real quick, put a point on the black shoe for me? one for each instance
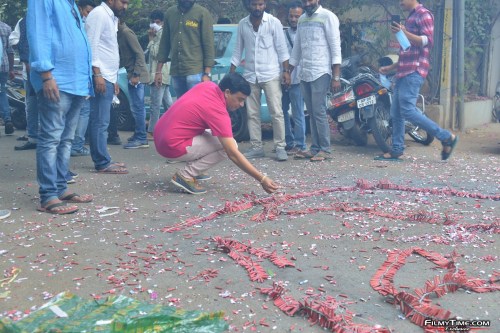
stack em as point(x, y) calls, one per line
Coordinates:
point(9, 128)
point(22, 138)
point(28, 145)
point(115, 141)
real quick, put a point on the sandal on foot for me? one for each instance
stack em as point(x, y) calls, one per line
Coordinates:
point(58, 208)
point(321, 156)
point(448, 144)
point(77, 198)
point(114, 169)
point(303, 155)
point(391, 158)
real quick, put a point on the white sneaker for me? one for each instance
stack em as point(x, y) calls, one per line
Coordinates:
point(4, 213)
point(254, 153)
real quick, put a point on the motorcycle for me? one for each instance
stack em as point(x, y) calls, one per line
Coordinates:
point(362, 107)
point(16, 96)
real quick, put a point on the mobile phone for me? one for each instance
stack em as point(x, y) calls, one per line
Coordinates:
point(395, 18)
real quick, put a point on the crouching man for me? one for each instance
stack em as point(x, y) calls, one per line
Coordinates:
point(197, 130)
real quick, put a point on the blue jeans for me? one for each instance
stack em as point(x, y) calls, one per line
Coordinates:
point(4, 102)
point(159, 95)
point(404, 108)
point(314, 93)
point(183, 83)
point(57, 128)
point(100, 107)
point(138, 111)
point(81, 128)
point(32, 121)
point(297, 137)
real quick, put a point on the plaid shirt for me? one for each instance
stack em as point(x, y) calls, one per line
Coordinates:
point(416, 59)
point(5, 31)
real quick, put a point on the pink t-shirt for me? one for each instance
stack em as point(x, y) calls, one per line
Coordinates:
point(202, 107)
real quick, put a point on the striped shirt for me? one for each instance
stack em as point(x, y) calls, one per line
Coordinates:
point(417, 58)
point(317, 44)
point(5, 31)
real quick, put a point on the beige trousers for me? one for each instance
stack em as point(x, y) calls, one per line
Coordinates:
point(205, 152)
point(272, 89)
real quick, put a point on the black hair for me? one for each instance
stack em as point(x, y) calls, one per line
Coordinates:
point(246, 3)
point(235, 83)
point(223, 20)
point(294, 4)
point(157, 15)
point(85, 3)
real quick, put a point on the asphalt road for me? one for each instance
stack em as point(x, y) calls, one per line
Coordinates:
point(335, 252)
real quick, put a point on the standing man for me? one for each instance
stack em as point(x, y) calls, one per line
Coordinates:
point(160, 92)
point(260, 36)
point(132, 58)
point(6, 73)
point(188, 38)
point(296, 138)
point(61, 76)
point(411, 70)
point(197, 130)
point(317, 48)
point(19, 37)
point(77, 148)
point(102, 27)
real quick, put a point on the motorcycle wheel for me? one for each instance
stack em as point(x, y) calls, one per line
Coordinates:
point(380, 126)
point(18, 116)
point(421, 136)
point(359, 137)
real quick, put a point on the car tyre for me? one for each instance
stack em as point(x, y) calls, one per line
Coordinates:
point(126, 121)
point(239, 124)
point(18, 116)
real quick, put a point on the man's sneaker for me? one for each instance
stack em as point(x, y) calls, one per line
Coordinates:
point(188, 185)
point(254, 153)
point(26, 146)
point(202, 177)
point(281, 154)
point(22, 138)
point(132, 138)
point(115, 141)
point(9, 128)
point(71, 177)
point(4, 213)
point(136, 144)
point(82, 152)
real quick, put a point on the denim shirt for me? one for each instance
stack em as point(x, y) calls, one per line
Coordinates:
point(58, 43)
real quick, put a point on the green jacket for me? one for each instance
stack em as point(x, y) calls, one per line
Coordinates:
point(187, 40)
point(131, 54)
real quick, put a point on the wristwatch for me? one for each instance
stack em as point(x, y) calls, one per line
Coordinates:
point(336, 78)
point(207, 74)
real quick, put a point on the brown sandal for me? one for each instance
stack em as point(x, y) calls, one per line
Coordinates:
point(115, 169)
point(58, 208)
point(321, 156)
point(77, 198)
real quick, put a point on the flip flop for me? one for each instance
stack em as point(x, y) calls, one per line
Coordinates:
point(392, 158)
point(450, 143)
point(320, 157)
point(114, 169)
point(77, 198)
point(303, 155)
point(52, 209)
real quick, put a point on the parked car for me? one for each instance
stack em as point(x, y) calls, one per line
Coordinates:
point(225, 41)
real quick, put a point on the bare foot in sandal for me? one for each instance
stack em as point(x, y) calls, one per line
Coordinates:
point(115, 169)
point(58, 207)
point(76, 198)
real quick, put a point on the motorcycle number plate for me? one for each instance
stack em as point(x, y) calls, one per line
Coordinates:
point(345, 116)
point(366, 101)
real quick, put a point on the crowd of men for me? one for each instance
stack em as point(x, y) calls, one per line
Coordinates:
point(72, 53)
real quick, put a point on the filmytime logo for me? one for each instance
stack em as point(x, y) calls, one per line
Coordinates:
point(457, 325)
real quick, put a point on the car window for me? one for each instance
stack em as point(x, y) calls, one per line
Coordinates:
point(222, 39)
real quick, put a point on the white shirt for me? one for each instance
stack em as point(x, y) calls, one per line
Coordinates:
point(102, 28)
point(264, 50)
point(317, 44)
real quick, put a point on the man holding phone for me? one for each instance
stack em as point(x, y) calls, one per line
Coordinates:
point(411, 70)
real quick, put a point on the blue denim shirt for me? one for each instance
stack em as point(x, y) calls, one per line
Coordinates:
point(58, 43)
